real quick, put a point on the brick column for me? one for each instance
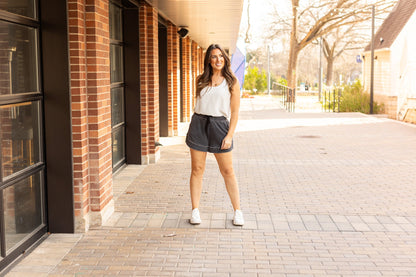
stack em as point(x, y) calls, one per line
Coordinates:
point(173, 79)
point(149, 82)
point(187, 78)
point(194, 73)
point(184, 79)
point(170, 81)
point(99, 108)
point(201, 60)
point(91, 111)
point(77, 55)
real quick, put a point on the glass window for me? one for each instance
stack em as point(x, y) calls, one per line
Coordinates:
point(116, 64)
point(117, 106)
point(115, 22)
point(20, 7)
point(18, 59)
point(23, 213)
point(118, 145)
point(117, 79)
point(19, 136)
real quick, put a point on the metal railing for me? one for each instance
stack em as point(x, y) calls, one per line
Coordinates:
point(288, 96)
point(330, 99)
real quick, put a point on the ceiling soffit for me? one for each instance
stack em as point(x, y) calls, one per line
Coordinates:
point(214, 21)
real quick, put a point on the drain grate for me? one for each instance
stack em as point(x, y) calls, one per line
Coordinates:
point(309, 137)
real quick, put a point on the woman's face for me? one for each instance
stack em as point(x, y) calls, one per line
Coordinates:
point(217, 59)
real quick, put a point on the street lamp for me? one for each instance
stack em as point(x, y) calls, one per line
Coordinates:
point(372, 59)
point(320, 68)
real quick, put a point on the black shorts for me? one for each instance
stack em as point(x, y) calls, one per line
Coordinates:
point(206, 133)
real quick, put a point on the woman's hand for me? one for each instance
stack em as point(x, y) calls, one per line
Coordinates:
point(226, 142)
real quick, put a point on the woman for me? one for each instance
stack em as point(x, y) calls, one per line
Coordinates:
point(217, 99)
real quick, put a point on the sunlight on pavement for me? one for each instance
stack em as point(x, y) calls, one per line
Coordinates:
point(306, 106)
point(267, 124)
point(280, 123)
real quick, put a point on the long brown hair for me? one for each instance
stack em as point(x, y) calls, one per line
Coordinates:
point(204, 79)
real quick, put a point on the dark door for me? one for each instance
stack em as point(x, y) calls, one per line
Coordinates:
point(163, 81)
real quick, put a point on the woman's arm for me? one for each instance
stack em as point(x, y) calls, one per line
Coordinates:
point(235, 107)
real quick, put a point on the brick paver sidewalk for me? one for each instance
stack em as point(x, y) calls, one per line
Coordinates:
point(323, 195)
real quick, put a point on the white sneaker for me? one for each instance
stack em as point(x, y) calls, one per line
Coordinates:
point(195, 218)
point(238, 218)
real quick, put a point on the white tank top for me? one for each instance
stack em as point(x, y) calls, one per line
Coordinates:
point(214, 101)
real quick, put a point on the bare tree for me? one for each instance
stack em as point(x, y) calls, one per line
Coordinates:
point(347, 39)
point(247, 38)
point(318, 18)
point(338, 42)
point(308, 65)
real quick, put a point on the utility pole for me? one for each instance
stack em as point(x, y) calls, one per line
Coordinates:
point(320, 68)
point(268, 69)
point(372, 60)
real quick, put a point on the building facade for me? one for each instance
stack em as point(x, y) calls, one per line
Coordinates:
point(86, 87)
point(395, 63)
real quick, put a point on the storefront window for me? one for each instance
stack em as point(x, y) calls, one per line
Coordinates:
point(20, 7)
point(21, 144)
point(118, 145)
point(19, 136)
point(116, 64)
point(18, 59)
point(117, 85)
point(23, 212)
point(115, 22)
point(117, 109)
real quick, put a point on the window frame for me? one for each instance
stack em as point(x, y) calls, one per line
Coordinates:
point(119, 84)
point(7, 256)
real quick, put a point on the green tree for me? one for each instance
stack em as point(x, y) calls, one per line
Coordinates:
point(255, 81)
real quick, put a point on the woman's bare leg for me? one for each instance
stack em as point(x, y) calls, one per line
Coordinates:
point(225, 163)
point(198, 159)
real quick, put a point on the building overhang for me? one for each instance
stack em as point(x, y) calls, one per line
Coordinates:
point(378, 50)
point(208, 21)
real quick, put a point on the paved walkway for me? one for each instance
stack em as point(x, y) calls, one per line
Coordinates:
point(324, 194)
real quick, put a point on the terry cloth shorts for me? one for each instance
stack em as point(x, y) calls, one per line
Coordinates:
point(207, 132)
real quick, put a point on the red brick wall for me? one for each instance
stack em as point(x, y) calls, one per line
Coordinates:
point(149, 82)
point(194, 73)
point(173, 79)
point(89, 54)
point(187, 78)
point(99, 102)
point(184, 80)
point(201, 60)
point(78, 70)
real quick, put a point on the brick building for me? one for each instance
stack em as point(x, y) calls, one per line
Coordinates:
point(87, 86)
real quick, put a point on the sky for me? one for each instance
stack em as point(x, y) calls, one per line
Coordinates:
point(260, 16)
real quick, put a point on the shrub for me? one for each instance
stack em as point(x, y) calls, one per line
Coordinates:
point(255, 81)
point(355, 99)
point(282, 81)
